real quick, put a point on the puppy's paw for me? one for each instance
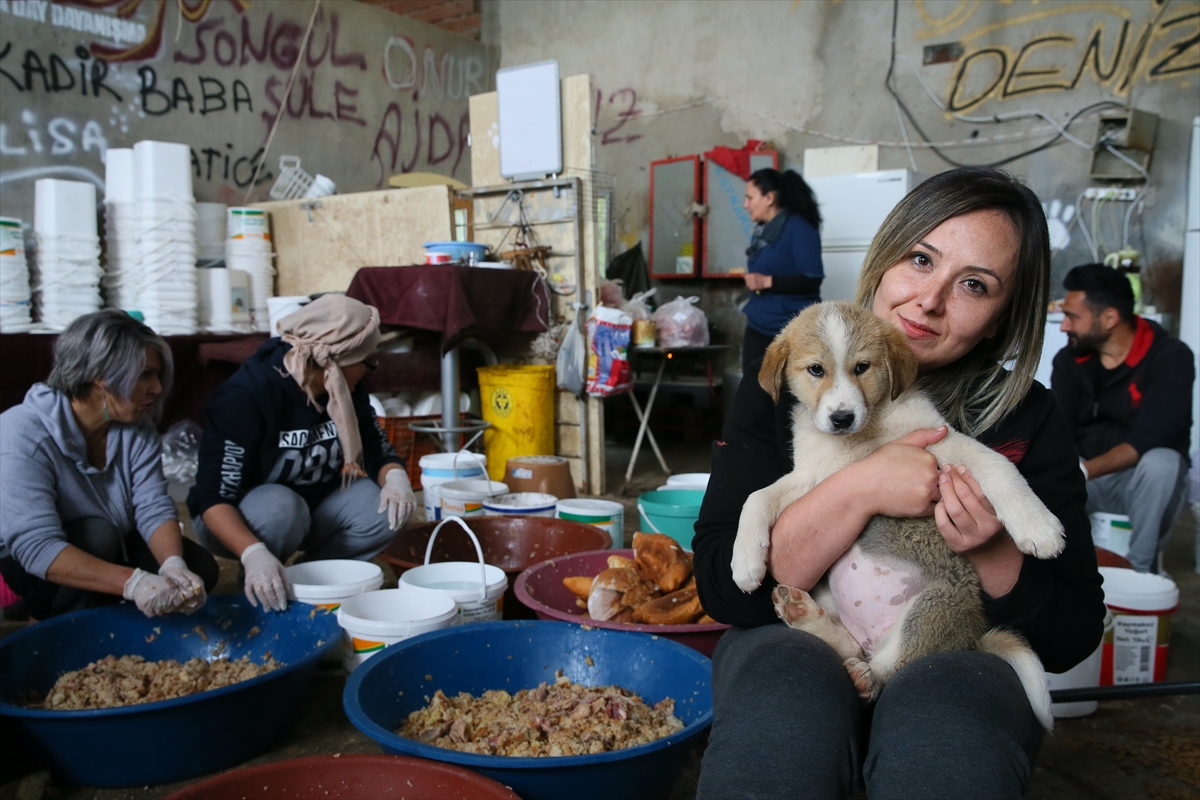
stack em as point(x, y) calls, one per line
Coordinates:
point(862, 676)
point(1039, 534)
point(749, 562)
point(796, 607)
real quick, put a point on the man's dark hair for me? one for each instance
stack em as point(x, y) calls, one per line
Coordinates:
point(1104, 287)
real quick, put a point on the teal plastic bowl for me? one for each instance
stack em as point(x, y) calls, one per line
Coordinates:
point(671, 511)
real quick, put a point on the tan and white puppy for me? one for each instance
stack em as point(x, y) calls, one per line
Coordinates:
point(900, 593)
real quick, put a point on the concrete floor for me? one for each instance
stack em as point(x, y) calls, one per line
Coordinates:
point(1127, 749)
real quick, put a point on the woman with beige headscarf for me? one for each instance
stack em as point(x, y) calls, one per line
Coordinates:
point(288, 440)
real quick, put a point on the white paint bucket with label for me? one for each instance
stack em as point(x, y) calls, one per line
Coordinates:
point(1111, 532)
point(440, 468)
point(373, 620)
point(476, 588)
point(327, 584)
point(530, 504)
point(465, 498)
point(1135, 650)
point(608, 515)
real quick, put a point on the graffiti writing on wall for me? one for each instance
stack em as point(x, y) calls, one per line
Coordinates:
point(625, 104)
point(1119, 50)
point(441, 141)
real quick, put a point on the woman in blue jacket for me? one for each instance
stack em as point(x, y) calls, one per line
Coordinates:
point(783, 266)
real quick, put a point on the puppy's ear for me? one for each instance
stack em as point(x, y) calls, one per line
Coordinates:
point(770, 376)
point(901, 363)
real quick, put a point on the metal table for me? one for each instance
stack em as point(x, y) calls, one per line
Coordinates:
point(664, 355)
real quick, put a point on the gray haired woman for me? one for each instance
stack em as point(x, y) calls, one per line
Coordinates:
point(86, 509)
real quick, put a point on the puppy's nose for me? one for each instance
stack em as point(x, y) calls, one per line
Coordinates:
point(841, 420)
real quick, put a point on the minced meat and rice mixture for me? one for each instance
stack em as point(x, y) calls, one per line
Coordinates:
point(563, 719)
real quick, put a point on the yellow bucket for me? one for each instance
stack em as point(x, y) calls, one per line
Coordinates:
point(519, 402)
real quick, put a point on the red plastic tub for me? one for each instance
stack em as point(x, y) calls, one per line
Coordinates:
point(541, 589)
point(349, 777)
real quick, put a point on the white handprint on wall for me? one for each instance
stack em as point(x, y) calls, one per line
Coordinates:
point(1058, 218)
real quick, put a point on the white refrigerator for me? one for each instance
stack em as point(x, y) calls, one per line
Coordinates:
point(852, 209)
point(1189, 307)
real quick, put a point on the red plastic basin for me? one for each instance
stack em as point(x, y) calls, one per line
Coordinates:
point(541, 589)
point(349, 777)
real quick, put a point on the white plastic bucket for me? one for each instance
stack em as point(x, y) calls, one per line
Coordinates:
point(608, 515)
point(688, 480)
point(327, 584)
point(1135, 650)
point(1111, 532)
point(530, 504)
point(247, 223)
point(464, 498)
point(476, 588)
point(439, 468)
point(373, 620)
point(1083, 675)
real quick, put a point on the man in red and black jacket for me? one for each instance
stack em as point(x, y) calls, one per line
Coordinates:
point(1125, 387)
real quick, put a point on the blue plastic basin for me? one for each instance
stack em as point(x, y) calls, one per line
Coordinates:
point(519, 655)
point(169, 740)
point(459, 251)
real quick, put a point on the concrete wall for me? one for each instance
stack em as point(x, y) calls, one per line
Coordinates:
point(376, 94)
point(674, 78)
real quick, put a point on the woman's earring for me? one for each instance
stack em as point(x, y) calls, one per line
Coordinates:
point(105, 410)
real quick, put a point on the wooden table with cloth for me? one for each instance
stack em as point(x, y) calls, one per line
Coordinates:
point(459, 303)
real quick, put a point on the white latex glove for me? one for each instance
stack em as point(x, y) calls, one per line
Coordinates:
point(190, 587)
point(397, 498)
point(266, 581)
point(153, 594)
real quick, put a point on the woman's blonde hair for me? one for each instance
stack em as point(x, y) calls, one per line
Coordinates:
point(975, 392)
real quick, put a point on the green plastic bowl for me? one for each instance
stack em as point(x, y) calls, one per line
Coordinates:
point(671, 511)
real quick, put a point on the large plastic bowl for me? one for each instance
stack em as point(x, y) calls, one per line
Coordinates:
point(540, 588)
point(519, 655)
point(170, 740)
point(348, 777)
point(511, 543)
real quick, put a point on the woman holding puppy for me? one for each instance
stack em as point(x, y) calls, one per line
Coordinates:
point(961, 267)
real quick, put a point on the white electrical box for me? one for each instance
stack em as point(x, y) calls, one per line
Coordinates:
point(530, 117)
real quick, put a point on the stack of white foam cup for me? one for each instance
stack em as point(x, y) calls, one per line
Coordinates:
point(166, 236)
point(248, 248)
point(67, 284)
point(16, 307)
point(122, 277)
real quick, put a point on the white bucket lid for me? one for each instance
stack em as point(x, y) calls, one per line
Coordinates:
point(471, 489)
point(689, 479)
point(1138, 591)
point(514, 501)
point(333, 578)
point(395, 612)
point(590, 506)
point(463, 460)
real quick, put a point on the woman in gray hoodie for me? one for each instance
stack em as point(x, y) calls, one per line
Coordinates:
point(85, 503)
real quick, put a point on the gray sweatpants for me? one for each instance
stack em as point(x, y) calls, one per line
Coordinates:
point(1150, 494)
point(787, 723)
point(346, 524)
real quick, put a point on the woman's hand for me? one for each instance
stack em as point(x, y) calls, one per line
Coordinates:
point(757, 282)
point(968, 522)
point(964, 515)
point(901, 478)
